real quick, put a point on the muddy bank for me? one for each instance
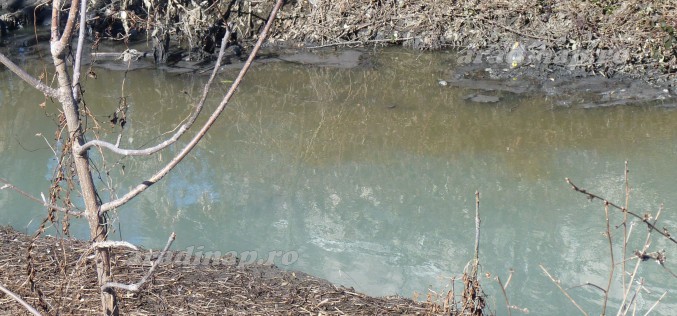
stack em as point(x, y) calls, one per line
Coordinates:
point(644, 31)
point(580, 53)
point(487, 78)
point(174, 289)
point(565, 87)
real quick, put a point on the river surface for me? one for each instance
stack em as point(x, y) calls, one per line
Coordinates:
point(368, 175)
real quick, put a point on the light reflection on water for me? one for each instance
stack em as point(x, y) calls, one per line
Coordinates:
point(370, 174)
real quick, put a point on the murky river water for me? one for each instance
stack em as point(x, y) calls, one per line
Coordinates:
point(368, 175)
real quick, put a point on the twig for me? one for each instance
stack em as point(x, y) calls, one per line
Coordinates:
point(644, 219)
point(656, 303)
point(509, 278)
point(68, 211)
point(611, 254)
point(505, 295)
point(477, 233)
point(17, 298)
point(625, 220)
point(78, 51)
point(647, 243)
point(515, 31)
point(37, 84)
point(563, 291)
point(393, 40)
point(632, 302)
point(207, 125)
point(589, 284)
point(181, 130)
point(113, 244)
point(139, 285)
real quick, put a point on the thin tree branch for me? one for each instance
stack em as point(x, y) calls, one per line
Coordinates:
point(505, 295)
point(133, 152)
point(589, 284)
point(611, 254)
point(23, 303)
point(135, 287)
point(35, 83)
point(625, 221)
point(78, 51)
point(70, 23)
point(112, 244)
point(477, 233)
point(509, 278)
point(68, 211)
point(646, 220)
point(633, 302)
point(193, 142)
point(656, 303)
point(563, 291)
point(647, 243)
point(182, 129)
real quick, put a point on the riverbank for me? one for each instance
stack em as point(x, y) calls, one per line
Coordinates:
point(603, 52)
point(642, 35)
point(65, 284)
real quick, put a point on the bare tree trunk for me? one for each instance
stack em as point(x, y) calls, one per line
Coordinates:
point(97, 221)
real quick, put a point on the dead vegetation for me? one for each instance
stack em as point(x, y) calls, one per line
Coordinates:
point(646, 30)
point(182, 283)
point(624, 264)
point(174, 289)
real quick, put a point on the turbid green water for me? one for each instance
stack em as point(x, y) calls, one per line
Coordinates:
point(368, 175)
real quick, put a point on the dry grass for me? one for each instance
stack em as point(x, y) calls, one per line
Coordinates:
point(647, 29)
point(61, 288)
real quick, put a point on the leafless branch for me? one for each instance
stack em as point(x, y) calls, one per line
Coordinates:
point(505, 295)
point(656, 303)
point(612, 266)
point(37, 84)
point(647, 243)
point(625, 220)
point(589, 284)
point(113, 244)
point(645, 219)
point(477, 232)
point(624, 308)
point(134, 152)
point(68, 211)
point(193, 142)
point(135, 287)
point(181, 130)
point(104, 244)
point(17, 298)
point(509, 278)
point(562, 289)
point(78, 51)
point(70, 24)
